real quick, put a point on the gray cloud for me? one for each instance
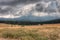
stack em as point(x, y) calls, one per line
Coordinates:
point(39, 7)
point(11, 4)
point(12, 8)
point(14, 2)
point(5, 11)
point(54, 6)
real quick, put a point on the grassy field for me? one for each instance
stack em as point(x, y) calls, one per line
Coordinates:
point(29, 32)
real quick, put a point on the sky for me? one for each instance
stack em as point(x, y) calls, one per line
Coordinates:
point(30, 9)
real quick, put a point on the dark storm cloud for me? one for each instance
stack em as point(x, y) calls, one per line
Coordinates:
point(14, 2)
point(11, 3)
point(39, 7)
point(5, 11)
point(50, 10)
point(6, 2)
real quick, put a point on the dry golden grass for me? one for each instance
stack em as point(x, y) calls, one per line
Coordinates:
point(52, 31)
